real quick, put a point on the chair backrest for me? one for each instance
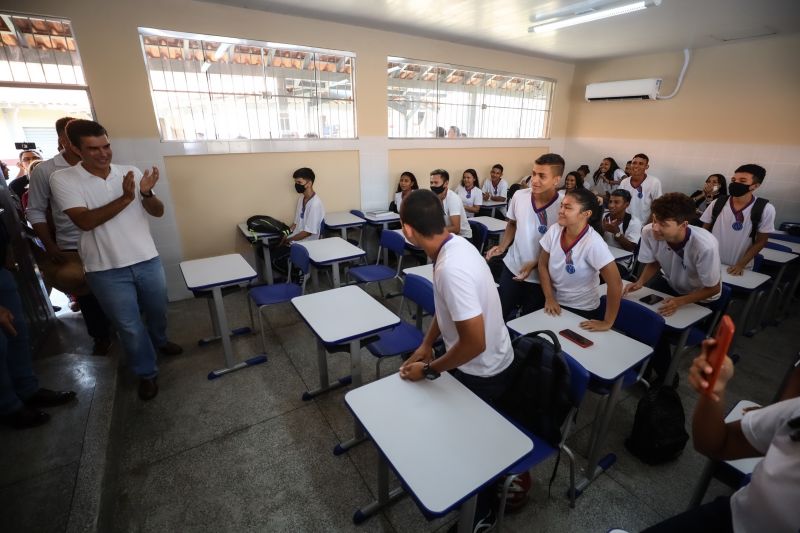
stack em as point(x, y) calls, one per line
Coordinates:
point(394, 242)
point(637, 321)
point(578, 381)
point(758, 260)
point(298, 254)
point(776, 246)
point(481, 231)
point(420, 291)
point(358, 213)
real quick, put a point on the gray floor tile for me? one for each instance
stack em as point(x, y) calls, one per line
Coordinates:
point(40, 503)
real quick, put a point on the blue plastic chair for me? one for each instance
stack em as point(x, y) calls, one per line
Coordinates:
point(718, 307)
point(377, 272)
point(266, 295)
point(404, 338)
point(542, 450)
point(481, 232)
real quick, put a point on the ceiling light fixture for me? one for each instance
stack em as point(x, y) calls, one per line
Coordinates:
point(581, 18)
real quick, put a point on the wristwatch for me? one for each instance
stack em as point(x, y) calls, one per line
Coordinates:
point(430, 373)
point(147, 195)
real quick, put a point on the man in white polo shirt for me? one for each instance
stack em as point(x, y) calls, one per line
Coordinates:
point(455, 216)
point(643, 188)
point(122, 264)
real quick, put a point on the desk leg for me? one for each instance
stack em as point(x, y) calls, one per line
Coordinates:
point(215, 327)
point(359, 435)
point(466, 516)
point(344, 233)
point(385, 497)
point(385, 250)
point(268, 277)
point(788, 298)
point(742, 322)
point(596, 465)
point(676, 356)
point(315, 278)
point(224, 333)
point(324, 383)
point(335, 275)
point(769, 316)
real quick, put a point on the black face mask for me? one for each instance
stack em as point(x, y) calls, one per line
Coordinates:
point(738, 189)
point(299, 188)
point(438, 190)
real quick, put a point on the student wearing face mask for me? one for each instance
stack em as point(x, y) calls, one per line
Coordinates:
point(308, 218)
point(741, 222)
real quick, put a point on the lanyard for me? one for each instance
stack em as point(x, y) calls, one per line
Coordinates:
point(570, 268)
point(469, 192)
point(738, 214)
point(679, 248)
point(639, 188)
point(541, 214)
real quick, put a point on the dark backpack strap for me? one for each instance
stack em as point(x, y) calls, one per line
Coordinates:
point(755, 216)
point(719, 204)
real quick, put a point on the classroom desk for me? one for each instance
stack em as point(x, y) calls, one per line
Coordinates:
point(329, 252)
point(681, 321)
point(443, 442)
point(342, 220)
point(493, 205)
point(611, 355)
point(342, 316)
point(749, 281)
point(266, 268)
point(214, 273)
point(409, 246)
point(782, 260)
point(793, 246)
point(383, 219)
point(495, 227)
point(425, 271)
point(619, 253)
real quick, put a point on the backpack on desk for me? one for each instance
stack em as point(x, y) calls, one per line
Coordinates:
point(755, 213)
point(266, 224)
point(659, 427)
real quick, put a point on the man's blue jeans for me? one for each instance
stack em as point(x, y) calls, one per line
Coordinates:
point(125, 294)
point(17, 380)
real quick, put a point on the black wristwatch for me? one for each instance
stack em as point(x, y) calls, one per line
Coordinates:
point(430, 373)
point(147, 195)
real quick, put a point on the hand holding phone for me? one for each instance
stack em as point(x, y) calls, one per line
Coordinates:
point(719, 351)
point(580, 340)
point(651, 299)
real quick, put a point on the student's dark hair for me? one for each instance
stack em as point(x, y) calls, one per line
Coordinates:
point(629, 161)
point(83, 128)
point(612, 167)
point(588, 202)
point(723, 183)
point(498, 166)
point(440, 132)
point(674, 206)
point(61, 124)
point(584, 168)
point(304, 173)
point(641, 156)
point(578, 180)
point(622, 193)
point(474, 175)
point(555, 161)
point(442, 172)
point(423, 211)
point(412, 177)
point(758, 172)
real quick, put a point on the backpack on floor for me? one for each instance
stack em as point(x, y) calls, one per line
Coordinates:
point(659, 427)
point(266, 224)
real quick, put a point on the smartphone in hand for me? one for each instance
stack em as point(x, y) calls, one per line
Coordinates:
point(580, 340)
point(651, 299)
point(723, 337)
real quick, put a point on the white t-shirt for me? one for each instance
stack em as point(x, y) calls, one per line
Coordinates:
point(309, 219)
point(122, 241)
point(640, 207)
point(699, 268)
point(40, 198)
point(579, 289)
point(500, 190)
point(602, 187)
point(770, 501)
point(463, 288)
point(475, 198)
point(633, 232)
point(733, 244)
point(398, 199)
point(525, 247)
point(453, 207)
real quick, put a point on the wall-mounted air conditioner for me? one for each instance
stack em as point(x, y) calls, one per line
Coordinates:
point(646, 89)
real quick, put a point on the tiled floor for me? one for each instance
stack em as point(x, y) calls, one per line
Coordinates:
point(245, 453)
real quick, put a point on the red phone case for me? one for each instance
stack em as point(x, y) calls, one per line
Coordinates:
point(580, 340)
point(724, 337)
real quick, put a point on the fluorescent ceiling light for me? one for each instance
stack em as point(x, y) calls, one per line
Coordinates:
point(594, 15)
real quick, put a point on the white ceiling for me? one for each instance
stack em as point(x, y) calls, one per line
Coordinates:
point(503, 24)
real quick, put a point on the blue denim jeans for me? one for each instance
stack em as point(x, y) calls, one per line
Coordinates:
point(125, 294)
point(17, 380)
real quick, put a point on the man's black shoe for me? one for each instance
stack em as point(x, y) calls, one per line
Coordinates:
point(49, 398)
point(24, 418)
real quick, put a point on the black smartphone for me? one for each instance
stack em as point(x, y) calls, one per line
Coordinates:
point(25, 146)
point(651, 299)
point(580, 340)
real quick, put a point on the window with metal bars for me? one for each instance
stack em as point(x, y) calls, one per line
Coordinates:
point(218, 88)
point(437, 100)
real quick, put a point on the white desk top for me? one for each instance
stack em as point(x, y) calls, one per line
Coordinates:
point(795, 246)
point(777, 256)
point(685, 316)
point(748, 280)
point(408, 243)
point(425, 271)
point(216, 271)
point(342, 219)
point(493, 203)
point(330, 250)
point(745, 466)
point(343, 314)
point(492, 224)
point(382, 218)
point(247, 233)
point(611, 354)
point(779, 232)
point(441, 439)
point(619, 253)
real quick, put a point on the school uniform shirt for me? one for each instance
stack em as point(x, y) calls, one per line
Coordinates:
point(40, 198)
point(453, 207)
point(463, 288)
point(602, 187)
point(732, 243)
point(633, 232)
point(525, 247)
point(579, 288)
point(398, 199)
point(500, 190)
point(123, 240)
point(698, 268)
point(475, 198)
point(769, 501)
point(650, 190)
point(310, 218)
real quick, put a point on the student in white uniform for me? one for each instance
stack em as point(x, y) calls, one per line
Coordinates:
point(769, 501)
point(688, 256)
point(738, 241)
point(530, 212)
point(620, 228)
point(496, 188)
point(407, 183)
point(469, 192)
point(607, 177)
point(455, 215)
point(643, 188)
point(572, 255)
point(308, 218)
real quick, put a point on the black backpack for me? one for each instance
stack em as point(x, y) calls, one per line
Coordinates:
point(755, 213)
point(659, 427)
point(538, 397)
point(266, 224)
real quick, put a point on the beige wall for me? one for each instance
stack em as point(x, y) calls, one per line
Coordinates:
point(740, 92)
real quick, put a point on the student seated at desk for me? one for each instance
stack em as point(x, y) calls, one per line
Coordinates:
point(643, 187)
point(688, 256)
point(308, 218)
point(620, 228)
point(469, 192)
point(739, 241)
point(468, 316)
point(496, 189)
point(407, 183)
point(572, 255)
point(455, 216)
